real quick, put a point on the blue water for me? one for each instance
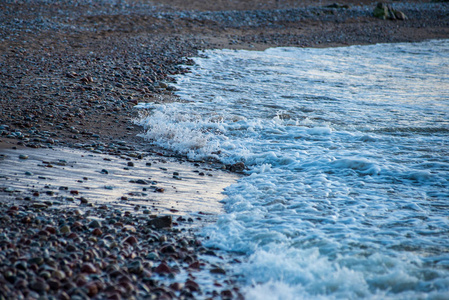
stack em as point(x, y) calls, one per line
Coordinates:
point(347, 150)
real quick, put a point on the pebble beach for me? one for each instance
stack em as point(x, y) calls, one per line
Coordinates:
point(90, 210)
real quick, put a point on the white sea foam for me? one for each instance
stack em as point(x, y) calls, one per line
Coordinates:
point(347, 190)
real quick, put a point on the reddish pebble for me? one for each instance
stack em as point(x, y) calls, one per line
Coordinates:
point(163, 269)
point(114, 296)
point(92, 289)
point(50, 229)
point(130, 240)
point(176, 286)
point(97, 232)
point(77, 224)
point(88, 268)
point(195, 265)
point(192, 285)
point(74, 192)
point(72, 235)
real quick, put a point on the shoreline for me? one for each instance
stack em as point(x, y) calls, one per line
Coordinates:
point(70, 75)
point(92, 225)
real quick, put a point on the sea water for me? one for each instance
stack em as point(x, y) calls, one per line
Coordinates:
point(347, 155)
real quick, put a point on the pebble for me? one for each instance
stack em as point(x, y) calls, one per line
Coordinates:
point(163, 268)
point(88, 268)
point(95, 224)
point(130, 240)
point(135, 267)
point(39, 285)
point(64, 229)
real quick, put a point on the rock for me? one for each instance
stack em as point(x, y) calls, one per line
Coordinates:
point(88, 268)
point(192, 285)
point(135, 267)
point(36, 260)
point(92, 289)
point(195, 265)
point(130, 240)
point(386, 12)
point(39, 285)
point(141, 181)
point(64, 229)
point(176, 286)
point(50, 229)
point(161, 222)
point(338, 6)
point(95, 224)
point(23, 156)
point(71, 248)
point(226, 294)
point(58, 274)
point(400, 15)
point(54, 284)
point(218, 270)
point(97, 232)
point(237, 167)
point(21, 265)
point(163, 268)
point(152, 256)
point(39, 205)
point(168, 249)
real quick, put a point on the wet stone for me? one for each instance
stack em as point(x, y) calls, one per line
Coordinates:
point(161, 222)
point(135, 267)
point(95, 224)
point(39, 285)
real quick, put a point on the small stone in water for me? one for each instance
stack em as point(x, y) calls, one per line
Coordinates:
point(163, 269)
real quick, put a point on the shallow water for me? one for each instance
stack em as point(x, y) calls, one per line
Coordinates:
point(347, 149)
point(104, 179)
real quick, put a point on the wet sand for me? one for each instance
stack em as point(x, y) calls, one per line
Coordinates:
point(151, 185)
